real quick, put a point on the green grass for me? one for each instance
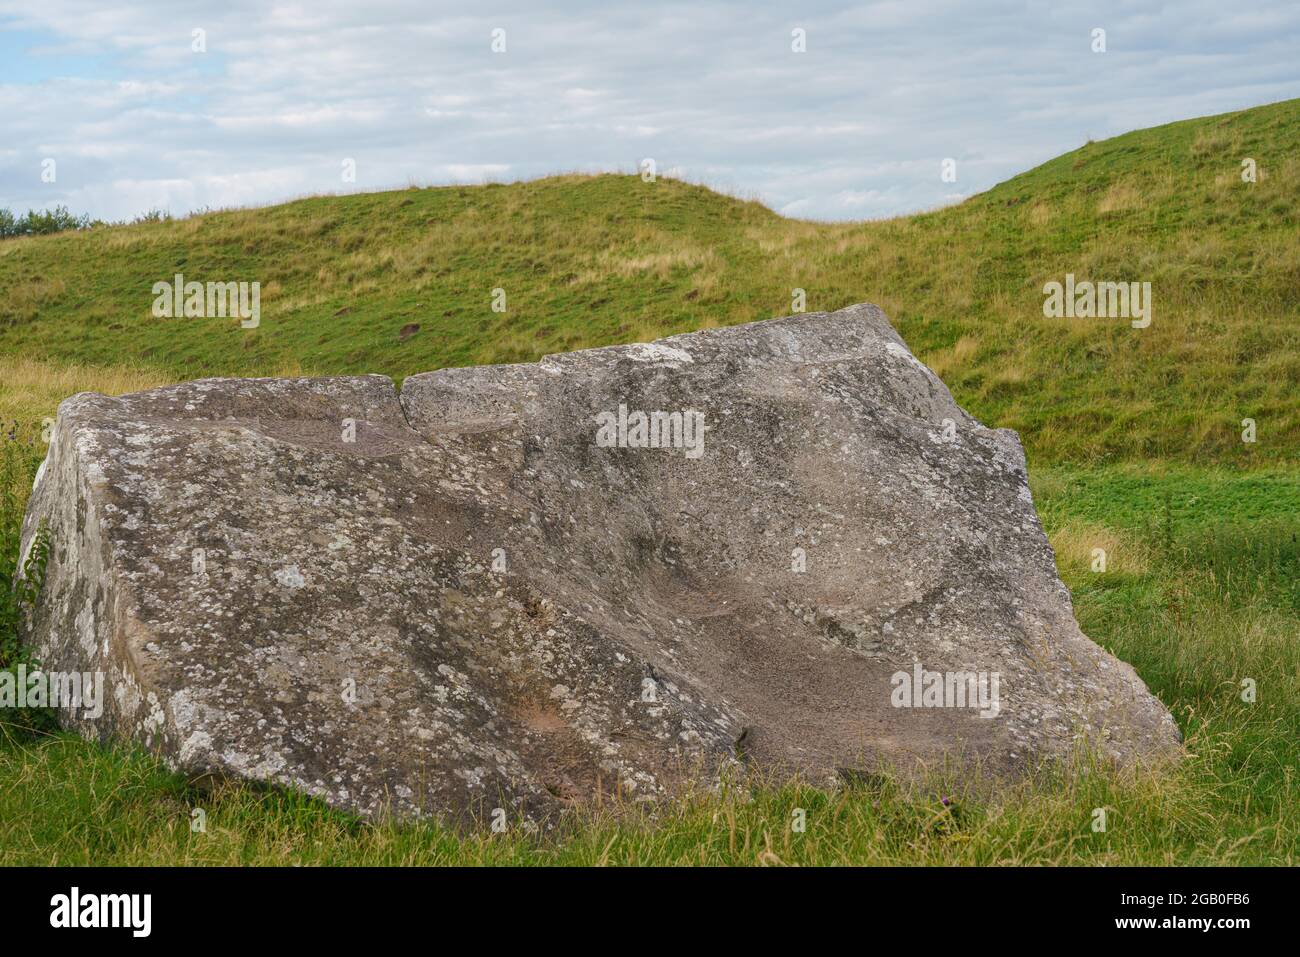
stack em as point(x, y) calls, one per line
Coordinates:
point(1215, 604)
point(597, 260)
point(1133, 438)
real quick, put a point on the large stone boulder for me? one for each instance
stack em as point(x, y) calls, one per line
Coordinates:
point(612, 571)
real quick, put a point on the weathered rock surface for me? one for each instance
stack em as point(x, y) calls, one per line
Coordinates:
point(459, 599)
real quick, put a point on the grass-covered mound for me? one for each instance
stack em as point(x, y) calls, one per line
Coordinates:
point(1134, 438)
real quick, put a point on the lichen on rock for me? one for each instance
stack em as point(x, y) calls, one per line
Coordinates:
point(455, 599)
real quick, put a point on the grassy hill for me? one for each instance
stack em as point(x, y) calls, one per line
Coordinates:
point(597, 260)
point(1134, 439)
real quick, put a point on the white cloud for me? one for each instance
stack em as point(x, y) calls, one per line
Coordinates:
point(856, 126)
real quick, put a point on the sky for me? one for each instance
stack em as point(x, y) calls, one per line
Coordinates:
point(115, 110)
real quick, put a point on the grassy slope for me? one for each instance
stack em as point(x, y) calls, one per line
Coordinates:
point(1133, 438)
point(592, 261)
